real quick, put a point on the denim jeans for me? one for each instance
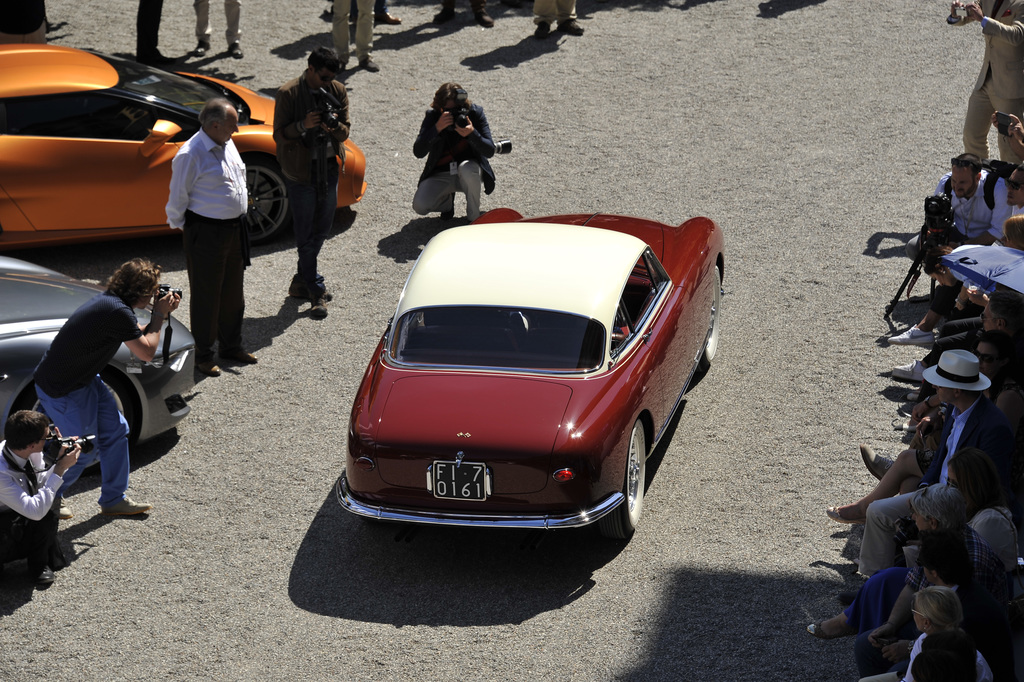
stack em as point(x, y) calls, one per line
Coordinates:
point(312, 222)
point(92, 410)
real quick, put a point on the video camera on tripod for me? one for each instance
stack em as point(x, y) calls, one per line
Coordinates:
point(938, 229)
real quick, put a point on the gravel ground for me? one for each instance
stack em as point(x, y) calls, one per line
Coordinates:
point(811, 130)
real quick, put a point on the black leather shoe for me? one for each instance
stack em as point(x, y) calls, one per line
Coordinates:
point(235, 51)
point(446, 14)
point(201, 49)
point(570, 27)
point(155, 59)
point(447, 215)
point(543, 30)
point(45, 576)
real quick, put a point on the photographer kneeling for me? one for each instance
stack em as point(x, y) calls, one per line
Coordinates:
point(28, 487)
point(457, 142)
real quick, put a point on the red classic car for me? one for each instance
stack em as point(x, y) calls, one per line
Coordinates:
point(530, 369)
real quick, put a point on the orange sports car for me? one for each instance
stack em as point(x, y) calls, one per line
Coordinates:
point(86, 142)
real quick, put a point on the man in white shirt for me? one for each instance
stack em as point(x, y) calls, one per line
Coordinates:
point(980, 208)
point(208, 200)
point(28, 488)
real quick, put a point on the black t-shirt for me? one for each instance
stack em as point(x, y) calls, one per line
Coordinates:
point(85, 344)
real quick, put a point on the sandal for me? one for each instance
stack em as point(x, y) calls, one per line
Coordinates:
point(835, 513)
point(818, 631)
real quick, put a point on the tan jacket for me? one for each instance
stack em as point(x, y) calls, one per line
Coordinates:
point(1004, 48)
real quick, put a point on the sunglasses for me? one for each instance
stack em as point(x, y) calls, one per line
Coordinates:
point(964, 163)
point(985, 357)
point(1014, 185)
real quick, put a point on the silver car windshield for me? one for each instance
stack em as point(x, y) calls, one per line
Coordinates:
point(499, 337)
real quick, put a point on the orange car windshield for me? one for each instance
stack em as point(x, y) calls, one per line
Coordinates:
point(499, 337)
point(192, 94)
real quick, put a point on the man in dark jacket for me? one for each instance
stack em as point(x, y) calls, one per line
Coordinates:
point(310, 124)
point(972, 420)
point(456, 140)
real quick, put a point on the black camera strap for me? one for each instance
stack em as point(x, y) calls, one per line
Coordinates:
point(167, 337)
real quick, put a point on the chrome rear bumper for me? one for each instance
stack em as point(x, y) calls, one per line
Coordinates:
point(544, 521)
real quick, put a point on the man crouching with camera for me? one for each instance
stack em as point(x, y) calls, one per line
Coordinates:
point(457, 142)
point(28, 487)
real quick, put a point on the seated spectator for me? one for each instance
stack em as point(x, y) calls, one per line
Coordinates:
point(937, 609)
point(995, 358)
point(972, 421)
point(937, 665)
point(980, 208)
point(968, 661)
point(949, 288)
point(972, 473)
point(947, 559)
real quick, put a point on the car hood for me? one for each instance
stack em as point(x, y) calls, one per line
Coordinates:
point(503, 421)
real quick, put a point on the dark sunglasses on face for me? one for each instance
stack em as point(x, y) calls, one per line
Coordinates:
point(1014, 185)
point(985, 357)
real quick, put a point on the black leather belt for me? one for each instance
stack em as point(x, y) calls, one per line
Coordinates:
point(191, 216)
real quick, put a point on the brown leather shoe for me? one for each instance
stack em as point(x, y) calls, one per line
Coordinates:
point(386, 18)
point(210, 368)
point(241, 356)
point(484, 19)
point(876, 464)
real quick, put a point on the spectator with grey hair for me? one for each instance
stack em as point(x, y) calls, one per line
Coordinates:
point(208, 201)
point(936, 508)
point(972, 420)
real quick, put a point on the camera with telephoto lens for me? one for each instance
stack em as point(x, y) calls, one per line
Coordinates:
point(328, 106)
point(168, 289)
point(906, 531)
point(938, 225)
point(53, 444)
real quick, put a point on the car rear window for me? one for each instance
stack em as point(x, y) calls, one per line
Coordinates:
point(499, 337)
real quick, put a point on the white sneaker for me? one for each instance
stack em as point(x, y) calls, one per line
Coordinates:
point(912, 372)
point(913, 337)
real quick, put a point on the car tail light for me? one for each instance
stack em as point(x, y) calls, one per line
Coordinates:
point(564, 475)
point(365, 463)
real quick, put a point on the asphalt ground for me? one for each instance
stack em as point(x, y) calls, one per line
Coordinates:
point(810, 130)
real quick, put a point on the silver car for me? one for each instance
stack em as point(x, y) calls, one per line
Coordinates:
point(34, 304)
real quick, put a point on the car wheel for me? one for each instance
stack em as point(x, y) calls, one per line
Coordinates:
point(268, 200)
point(621, 523)
point(119, 389)
point(711, 347)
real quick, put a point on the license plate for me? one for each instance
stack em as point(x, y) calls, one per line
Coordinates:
point(459, 480)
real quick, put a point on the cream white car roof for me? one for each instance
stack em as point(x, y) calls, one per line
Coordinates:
point(531, 265)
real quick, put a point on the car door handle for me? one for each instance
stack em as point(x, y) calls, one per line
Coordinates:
point(646, 336)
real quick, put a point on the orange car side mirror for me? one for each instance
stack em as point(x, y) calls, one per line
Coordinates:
point(162, 132)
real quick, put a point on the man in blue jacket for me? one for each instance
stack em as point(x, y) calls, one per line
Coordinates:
point(972, 420)
point(457, 142)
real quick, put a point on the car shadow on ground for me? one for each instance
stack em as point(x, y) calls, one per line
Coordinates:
point(399, 574)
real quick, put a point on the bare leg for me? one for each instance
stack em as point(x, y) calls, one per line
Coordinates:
point(903, 472)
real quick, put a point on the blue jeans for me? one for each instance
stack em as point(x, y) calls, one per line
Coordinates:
point(92, 410)
point(312, 222)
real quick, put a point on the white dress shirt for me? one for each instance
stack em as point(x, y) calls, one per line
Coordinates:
point(14, 486)
point(207, 179)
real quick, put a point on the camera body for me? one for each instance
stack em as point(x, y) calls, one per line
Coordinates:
point(53, 445)
point(168, 289)
point(906, 531)
point(460, 112)
point(938, 225)
point(329, 108)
